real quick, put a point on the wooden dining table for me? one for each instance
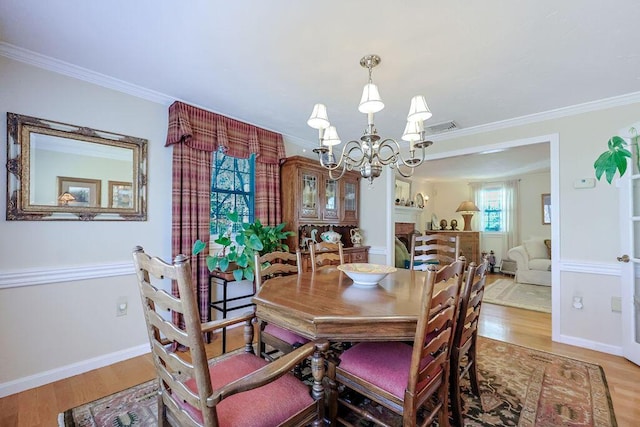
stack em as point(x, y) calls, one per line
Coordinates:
point(327, 304)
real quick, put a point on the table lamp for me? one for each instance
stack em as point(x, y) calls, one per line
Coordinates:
point(65, 198)
point(467, 209)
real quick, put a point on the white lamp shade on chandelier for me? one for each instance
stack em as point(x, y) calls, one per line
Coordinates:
point(370, 153)
point(370, 101)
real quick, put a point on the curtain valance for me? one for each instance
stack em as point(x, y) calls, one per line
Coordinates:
point(206, 131)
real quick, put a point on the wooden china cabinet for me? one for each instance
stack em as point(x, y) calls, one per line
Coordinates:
point(311, 200)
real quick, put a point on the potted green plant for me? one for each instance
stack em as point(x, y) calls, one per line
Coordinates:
point(615, 158)
point(237, 253)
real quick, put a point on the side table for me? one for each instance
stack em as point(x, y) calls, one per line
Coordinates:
point(508, 266)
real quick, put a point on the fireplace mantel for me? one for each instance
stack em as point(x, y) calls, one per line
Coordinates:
point(407, 214)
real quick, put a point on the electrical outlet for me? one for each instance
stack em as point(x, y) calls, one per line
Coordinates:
point(121, 306)
point(616, 304)
point(577, 303)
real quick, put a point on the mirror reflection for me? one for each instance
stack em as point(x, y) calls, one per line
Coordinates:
point(61, 171)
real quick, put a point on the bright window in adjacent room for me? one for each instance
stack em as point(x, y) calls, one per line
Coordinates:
point(232, 189)
point(492, 205)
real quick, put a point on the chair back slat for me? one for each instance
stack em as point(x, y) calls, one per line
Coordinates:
point(150, 270)
point(436, 248)
point(435, 329)
point(277, 263)
point(325, 253)
point(465, 336)
point(470, 303)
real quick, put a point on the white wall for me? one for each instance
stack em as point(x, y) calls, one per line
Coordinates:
point(532, 186)
point(66, 322)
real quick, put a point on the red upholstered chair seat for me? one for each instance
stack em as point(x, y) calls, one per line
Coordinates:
point(285, 335)
point(383, 364)
point(265, 406)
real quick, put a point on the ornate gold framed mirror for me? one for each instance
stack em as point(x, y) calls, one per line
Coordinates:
point(58, 171)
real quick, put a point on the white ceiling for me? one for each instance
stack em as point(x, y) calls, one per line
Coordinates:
point(268, 62)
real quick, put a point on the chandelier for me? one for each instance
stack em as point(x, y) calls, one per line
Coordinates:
point(370, 154)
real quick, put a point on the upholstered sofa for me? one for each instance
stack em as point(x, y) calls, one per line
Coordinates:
point(533, 262)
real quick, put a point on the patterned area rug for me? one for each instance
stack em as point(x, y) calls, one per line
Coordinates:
point(521, 295)
point(519, 387)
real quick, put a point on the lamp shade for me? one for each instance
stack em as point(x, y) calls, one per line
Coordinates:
point(412, 131)
point(319, 118)
point(467, 206)
point(65, 198)
point(419, 110)
point(331, 136)
point(370, 101)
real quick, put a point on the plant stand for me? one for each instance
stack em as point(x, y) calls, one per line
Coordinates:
point(220, 278)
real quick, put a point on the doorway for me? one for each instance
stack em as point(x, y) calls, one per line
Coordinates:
point(474, 154)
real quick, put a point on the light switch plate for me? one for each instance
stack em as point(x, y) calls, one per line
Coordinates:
point(584, 183)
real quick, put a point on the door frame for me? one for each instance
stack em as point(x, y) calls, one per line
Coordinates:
point(630, 348)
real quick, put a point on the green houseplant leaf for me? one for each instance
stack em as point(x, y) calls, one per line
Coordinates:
point(238, 250)
point(615, 158)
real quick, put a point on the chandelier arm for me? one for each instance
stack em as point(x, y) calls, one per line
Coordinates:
point(397, 157)
point(346, 162)
point(335, 178)
point(391, 145)
point(405, 174)
point(347, 151)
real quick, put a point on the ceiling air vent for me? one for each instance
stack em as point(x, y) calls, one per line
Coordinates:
point(441, 127)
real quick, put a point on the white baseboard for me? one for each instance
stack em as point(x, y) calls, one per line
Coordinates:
point(591, 345)
point(42, 378)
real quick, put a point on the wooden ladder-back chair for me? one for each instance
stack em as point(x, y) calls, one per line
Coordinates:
point(406, 379)
point(466, 336)
point(433, 249)
point(236, 389)
point(281, 340)
point(324, 253)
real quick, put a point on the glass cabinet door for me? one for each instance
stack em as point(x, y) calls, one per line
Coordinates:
point(330, 210)
point(309, 202)
point(349, 204)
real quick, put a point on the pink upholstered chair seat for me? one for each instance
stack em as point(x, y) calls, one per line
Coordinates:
point(383, 364)
point(285, 335)
point(266, 406)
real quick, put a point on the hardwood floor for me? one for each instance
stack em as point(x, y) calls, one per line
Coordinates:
point(40, 406)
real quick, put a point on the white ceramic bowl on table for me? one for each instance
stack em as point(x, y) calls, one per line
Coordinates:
point(365, 274)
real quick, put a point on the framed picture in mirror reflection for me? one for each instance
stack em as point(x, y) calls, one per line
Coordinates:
point(120, 195)
point(82, 192)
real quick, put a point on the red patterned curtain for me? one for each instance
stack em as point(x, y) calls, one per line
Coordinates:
point(195, 134)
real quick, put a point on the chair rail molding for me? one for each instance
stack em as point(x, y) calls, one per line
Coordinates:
point(587, 267)
point(44, 276)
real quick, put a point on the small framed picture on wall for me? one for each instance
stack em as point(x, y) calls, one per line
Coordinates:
point(546, 209)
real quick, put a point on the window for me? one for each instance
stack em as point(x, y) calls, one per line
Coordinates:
point(232, 189)
point(492, 207)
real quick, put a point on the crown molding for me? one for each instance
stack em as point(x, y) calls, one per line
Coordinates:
point(84, 74)
point(65, 68)
point(601, 104)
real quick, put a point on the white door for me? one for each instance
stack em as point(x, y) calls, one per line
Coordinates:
point(629, 258)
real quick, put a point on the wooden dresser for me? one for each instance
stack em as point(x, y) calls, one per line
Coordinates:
point(312, 203)
point(469, 243)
